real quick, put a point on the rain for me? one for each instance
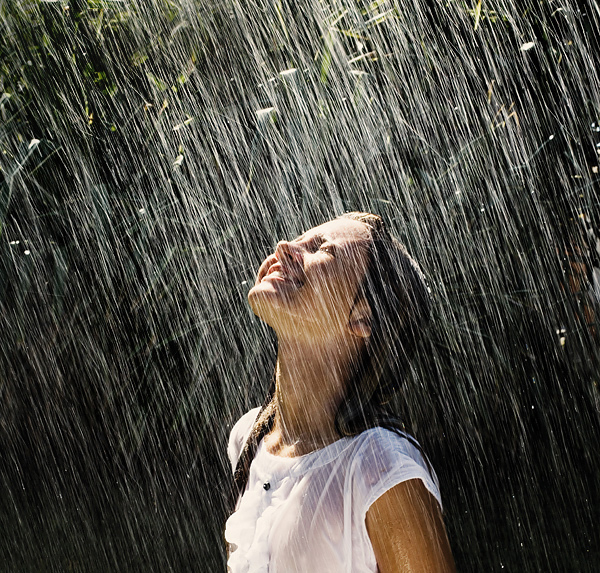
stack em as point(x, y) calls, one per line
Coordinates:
point(153, 153)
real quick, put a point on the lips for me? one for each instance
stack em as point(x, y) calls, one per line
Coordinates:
point(277, 272)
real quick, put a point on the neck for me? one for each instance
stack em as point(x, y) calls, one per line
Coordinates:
point(311, 380)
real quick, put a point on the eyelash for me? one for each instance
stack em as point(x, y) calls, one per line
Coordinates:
point(324, 247)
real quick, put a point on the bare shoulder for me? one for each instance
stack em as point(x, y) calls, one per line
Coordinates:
point(407, 531)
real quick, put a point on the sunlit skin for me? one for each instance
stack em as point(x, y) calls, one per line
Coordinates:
point(308, 291)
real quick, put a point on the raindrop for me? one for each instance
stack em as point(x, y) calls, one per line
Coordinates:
point(265, 113)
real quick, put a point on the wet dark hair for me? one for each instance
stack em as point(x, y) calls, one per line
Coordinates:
point(400, 303)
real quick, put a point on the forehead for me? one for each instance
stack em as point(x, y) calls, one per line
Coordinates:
point(340, 231)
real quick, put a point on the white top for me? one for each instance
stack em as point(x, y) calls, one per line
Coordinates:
point(307, 514)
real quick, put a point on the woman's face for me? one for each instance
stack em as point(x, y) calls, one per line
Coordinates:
point(309, 285)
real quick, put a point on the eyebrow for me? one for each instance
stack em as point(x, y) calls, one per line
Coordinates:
point(315, 237)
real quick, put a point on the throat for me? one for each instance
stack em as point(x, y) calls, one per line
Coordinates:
point(310, 385)
point(283, 444)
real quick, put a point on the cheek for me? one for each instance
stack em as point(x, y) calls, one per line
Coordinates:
point(343, 284)
point(330, 299)
point(325, 299)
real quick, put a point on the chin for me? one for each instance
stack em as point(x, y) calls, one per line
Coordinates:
point(261, 303)
point(271, 308)
point(254, 297)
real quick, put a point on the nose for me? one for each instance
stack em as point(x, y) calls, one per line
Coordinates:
point(287, 252)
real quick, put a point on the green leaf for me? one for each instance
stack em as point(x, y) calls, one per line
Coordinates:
point(477, 15)
point(160, 85)
point(326, 60)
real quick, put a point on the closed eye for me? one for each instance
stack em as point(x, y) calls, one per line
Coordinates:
point(327, 248)
point(316, 243)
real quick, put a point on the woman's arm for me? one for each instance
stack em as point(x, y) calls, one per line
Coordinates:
point(407, 531)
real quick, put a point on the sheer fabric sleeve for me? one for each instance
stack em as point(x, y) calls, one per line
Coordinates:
point(384, 460)
point(238, 436)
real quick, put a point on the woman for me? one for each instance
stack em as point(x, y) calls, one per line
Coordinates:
point(325, 480)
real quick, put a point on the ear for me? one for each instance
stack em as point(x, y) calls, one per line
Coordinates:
point(359, 323)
